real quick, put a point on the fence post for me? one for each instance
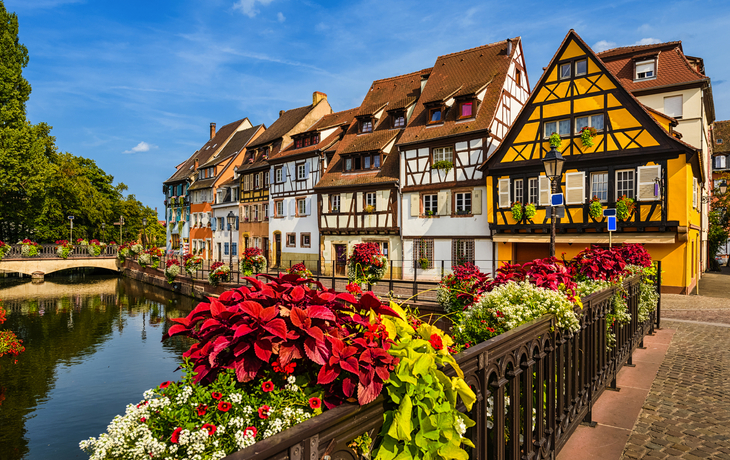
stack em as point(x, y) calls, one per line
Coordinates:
point(659, 291)
point(333, 273)
point(390, 284)
point(415, 281)
point(442, 269)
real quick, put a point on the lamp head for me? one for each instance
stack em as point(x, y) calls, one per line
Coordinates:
point(553, 163)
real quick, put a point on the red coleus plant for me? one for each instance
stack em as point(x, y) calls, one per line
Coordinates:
point(597, 263)
point(634, 254)
point(285, 324)
point(367, 254)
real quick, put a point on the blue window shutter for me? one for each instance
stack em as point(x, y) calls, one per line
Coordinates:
point(307, 206)
point(286, 172)
point(225, 249)
point(212, 224)
point(271, 176)
point(236, 222)
point(306, 169)
point(234, 249)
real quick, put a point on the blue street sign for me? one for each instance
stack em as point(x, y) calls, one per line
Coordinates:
point(609, 212)
point(611, 223)
point(556, 199)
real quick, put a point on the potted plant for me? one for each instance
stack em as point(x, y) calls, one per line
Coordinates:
point(300, 270)
point(429, 213)
point(555, 140)
point(252, 262)
point(444, 165)
point(369, 209)
point(366, 264)
point(423, 262)
point(63, 249)
point(517, 211)
point(4, 249)
point(193, 262)
point(586, 136)
point(172, 269)
point(28, 248)
point(625, 208)
point(595, 209)
point(218, 272)
point(530, 211)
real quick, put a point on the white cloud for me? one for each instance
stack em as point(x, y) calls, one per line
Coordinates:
point(603, 45)
point(647, 41)
point(248, 7)
point(280, 16)
point(321, 27)
point(141, 147)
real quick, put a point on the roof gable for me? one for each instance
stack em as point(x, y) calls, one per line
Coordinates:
point(627, 126)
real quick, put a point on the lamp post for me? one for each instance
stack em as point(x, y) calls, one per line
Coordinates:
point(144, 231)
point(121, 226)
point(231, 220)
point(71, 233)
point(103, 231)
point(553, 164)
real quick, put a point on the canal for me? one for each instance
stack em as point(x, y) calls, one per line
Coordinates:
point(92, 346)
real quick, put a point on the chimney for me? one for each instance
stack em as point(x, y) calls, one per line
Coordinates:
point(196, 164)
point(509, 46)
point(281, 112)
point(212, 131)
point(318, 96)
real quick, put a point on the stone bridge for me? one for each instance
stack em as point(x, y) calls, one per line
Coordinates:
point(47, 260)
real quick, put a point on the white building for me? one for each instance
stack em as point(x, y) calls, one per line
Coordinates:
point(225, 236)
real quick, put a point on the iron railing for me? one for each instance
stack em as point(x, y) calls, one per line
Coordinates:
point(49, 251)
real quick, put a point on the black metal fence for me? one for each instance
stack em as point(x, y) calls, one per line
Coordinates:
point(50, 251)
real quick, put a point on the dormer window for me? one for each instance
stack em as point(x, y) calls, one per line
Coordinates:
point(565, 71)
point(366, 162)
point(399, 120)
point(466, 109)
point(435, 115)
point(718, 141)
point(645, 70)
point(298, 144)
point(366, 125)
point(307, 141)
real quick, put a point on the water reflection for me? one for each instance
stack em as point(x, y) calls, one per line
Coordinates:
point(92, 346)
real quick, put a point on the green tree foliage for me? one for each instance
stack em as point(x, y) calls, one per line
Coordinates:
point(40, 187)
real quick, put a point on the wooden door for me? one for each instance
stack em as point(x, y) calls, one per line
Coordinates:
point(277, 243)
point(340, 259)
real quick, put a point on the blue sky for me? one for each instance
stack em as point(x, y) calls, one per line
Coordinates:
point(134, 85)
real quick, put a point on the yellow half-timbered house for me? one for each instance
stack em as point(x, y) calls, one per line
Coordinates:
point(633, 153)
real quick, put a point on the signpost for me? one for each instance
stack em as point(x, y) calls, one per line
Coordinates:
point(610, 215)
point(556, 199)
point(121, 224)
point(71, 235)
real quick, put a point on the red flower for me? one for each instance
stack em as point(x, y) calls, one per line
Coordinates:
point(267, 386)
point(211, 428)
point(224, 406)
point(315, 402)
point(264, 411)
point(436, 342)
point(142, 420)
point(164, 385)
point(202, 409)
point(251, 430)
point(353, 289)
point(176, 435)
point(216, 395)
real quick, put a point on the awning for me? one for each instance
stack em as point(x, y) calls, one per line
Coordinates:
point(596, 238)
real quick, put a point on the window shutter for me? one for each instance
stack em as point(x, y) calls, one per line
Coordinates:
point(306, 169)
point(212, 224)
point(324, 203)
point(293, 207)
point(673, 106)
point(307, 206)
point(575, 188)
point(271, 176)
point(476, 202)
point(346, 202)
point(503, 191)
point(236, 224)
point(544, 191)
point(694, 192)
point(415, 205)
point(380, 202)
point(646, 184)
point(285, 172)
point(444, 198)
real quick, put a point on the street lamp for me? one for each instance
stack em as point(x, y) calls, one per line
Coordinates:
point(71, 233)
point(553, 164)
point(121, 226)
point(103, 231)
point(231, 220)
point(144, 231)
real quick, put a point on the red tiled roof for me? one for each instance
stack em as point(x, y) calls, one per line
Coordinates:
point(367, 142)
point(206, 151)
point(392, 90)
point(343, 119)
point(285, 123)
point(234, 146)
point(461, 74)
point(721, 131)
point(334, 177)
point(672, 66)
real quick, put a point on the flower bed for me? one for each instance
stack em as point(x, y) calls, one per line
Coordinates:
point(273, 354)
point(252, 262)
point(149, 258)
point(366, 264)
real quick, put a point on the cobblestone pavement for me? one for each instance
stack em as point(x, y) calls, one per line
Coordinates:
point(687, 412)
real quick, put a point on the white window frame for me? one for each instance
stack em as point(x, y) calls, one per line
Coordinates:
point(335, 203)
point(669, 100)
point(301, 171)
point(547, 133)
point(720, 164)
point(591, 122)
point(594, 183)
point(370, 199)
point(617, 192)
point(576, 68)
point(519, 191)
point(430, 203)
point(637, 74)
point(279, 208)
point(279, 175)
point(301, 206)
point(567, 65)
point(443, 154)
point(533, 185)
point(460, 202)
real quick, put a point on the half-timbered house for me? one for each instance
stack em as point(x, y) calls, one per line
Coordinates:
point(358, 195)
point(286, 186)
point(629, 152)
point(467, 104)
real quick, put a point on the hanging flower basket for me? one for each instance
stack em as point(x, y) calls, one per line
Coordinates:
point(366, 264)
point(586, 136)
point(28, 248)
point(595, 209)
point(64, 249)
point(555, 140)
point(444, 165)
point(300, 270)
point(517, 212)
point(219, 272)
point(625, 208)
point(172, 269)
point(193, 263)
point(530, 211)
point(252, 262)
point(4, 249)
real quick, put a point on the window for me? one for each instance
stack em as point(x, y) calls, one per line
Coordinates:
point(297, 143)
point(533, 190)
point(518, 77)
point(561, 127)
point(234, 249)
point(673, 106)
point(718, 141)
point(266, 178)
point(256, 213)
point(645, 70)
point(366, 126)
point(466, 109)
point(423, 253)
point(625, 183)
point(279, 175)
point(291, 240)
point(720, 162)
point(519, 191)
point(443, 154)
point(256, 181)
point(334, 203)
point(301, 171)
point(370, 200)
point(462, 252)
point(434, 115)
point(348, 164)
point(564, 71)
point(430, 205)
point(266, 211)
point(581, 67)
point(307, 141)
point(376, 161)
point(279, 211)
point(366, 162)
point(301, 207)
point(594, 121)
point(599, 186)
point(399, 120)
point(306, 240)
point(463, 203)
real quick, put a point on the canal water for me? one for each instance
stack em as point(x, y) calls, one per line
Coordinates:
point(92, 346)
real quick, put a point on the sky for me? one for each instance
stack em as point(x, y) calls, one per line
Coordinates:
point(134, 85)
